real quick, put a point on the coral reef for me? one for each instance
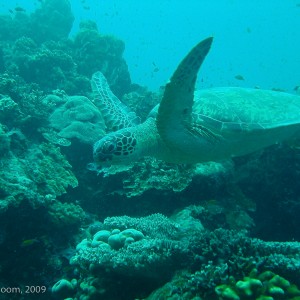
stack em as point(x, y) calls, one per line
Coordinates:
point(52, 21)
point(143, 249)
point(97, 52)
point(49, 65)
point(154, 174)
point(78, 118)
point(154, 226)
point(66, 214)
point(63, 289)
point(264, 286)
point(147, 231)
point(23, 104)
point(38, 174)
point(60, 62)
point(142, 101)
point(149, 173)
point(205, 260)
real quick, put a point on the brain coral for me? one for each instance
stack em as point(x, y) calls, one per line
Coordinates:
point(78, 118)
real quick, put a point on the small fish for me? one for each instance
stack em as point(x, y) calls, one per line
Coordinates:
point(86, 7)
point(28, 243)
point(297, 89)
point(211, 202)
point(294, 144)
point(156, 68)
point(19, 9)
point(277, 89)
point(239, 77)
point(11, 11)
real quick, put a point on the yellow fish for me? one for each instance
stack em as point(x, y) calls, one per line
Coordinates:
point(30, 242)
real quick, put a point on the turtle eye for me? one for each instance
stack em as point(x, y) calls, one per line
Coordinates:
point(109, 147)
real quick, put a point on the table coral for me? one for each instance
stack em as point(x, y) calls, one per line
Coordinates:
point(155, 226)
point(150, 250)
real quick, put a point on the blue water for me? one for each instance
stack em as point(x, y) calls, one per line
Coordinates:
point(259, 40)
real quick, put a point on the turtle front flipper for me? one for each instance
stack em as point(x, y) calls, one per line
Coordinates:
point(115, 113)
point(174, 117)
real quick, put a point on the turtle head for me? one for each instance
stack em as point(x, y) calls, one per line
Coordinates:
point(115, 148)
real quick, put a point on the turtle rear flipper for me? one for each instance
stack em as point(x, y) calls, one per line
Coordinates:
point(175, 111)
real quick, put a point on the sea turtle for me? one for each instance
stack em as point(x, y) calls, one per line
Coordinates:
point(208, 125)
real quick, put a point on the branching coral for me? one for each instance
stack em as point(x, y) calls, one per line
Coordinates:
point(155, 226)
